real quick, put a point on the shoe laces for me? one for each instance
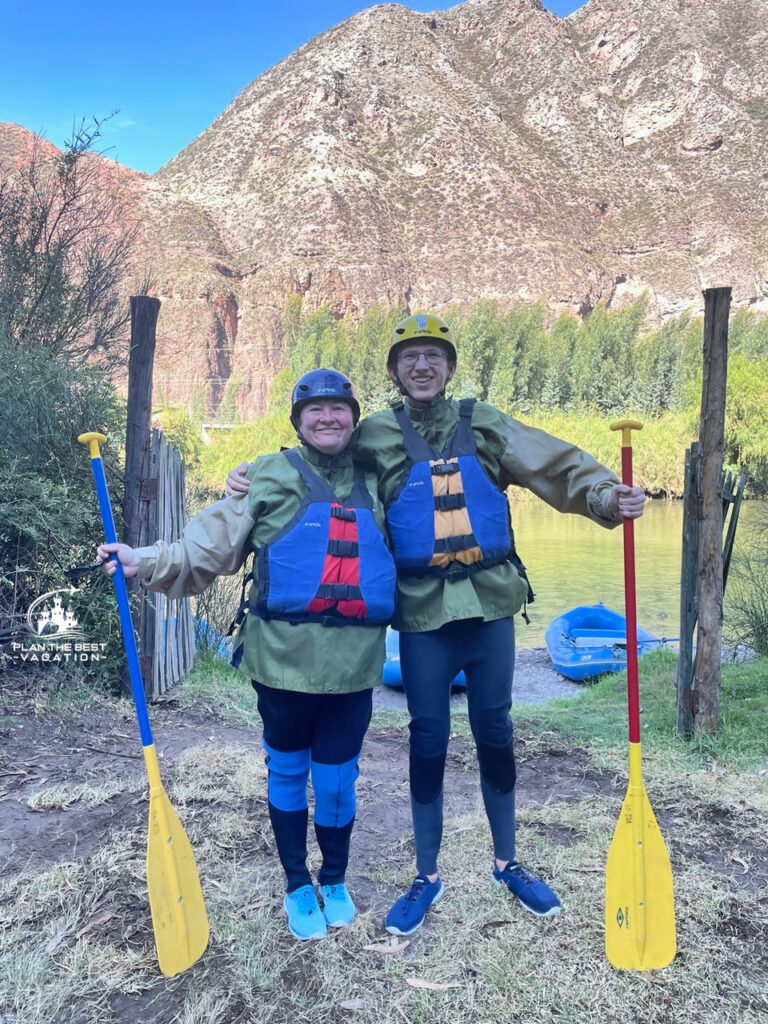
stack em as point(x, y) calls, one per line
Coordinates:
point(306, 901)
point(419, 885)
point(519, 872)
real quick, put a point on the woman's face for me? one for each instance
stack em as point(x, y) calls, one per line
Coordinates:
point(327, 425)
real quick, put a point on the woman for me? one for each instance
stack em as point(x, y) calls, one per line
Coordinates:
point(314, 522)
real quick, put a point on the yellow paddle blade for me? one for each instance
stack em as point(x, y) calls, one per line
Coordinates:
point(639, 891)
point(176, 900)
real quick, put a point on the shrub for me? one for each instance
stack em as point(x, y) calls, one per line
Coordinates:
point(746, 620)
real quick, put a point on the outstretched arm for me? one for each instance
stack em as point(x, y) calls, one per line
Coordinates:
point(212, 544)
point(566, 477)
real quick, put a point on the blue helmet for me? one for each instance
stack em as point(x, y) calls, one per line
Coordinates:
point(323, 384)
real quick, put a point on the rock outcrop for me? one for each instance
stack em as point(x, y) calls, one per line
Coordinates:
point(493, 150)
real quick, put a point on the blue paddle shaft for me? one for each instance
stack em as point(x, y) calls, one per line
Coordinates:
point(121, 591)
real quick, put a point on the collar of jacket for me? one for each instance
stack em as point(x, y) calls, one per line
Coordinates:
point(323, 461)
point(427, 412)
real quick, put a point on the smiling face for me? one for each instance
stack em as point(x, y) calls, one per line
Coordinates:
point(327, 424)
point(423, 369)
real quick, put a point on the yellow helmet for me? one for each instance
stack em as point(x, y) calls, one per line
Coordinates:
point(421, 327)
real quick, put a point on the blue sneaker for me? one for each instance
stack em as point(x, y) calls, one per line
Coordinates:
point(338, 908)
point(409, 911)
point(305, 918)
point(534, 894)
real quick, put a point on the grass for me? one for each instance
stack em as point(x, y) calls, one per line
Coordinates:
point(76, 944)
point(224, 691)
point(598, 718)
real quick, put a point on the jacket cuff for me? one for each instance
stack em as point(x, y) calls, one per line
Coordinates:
point(147, 562)
point(599, 504)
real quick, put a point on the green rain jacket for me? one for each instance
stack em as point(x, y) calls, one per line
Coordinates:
point(561, 474)
point(307, 657)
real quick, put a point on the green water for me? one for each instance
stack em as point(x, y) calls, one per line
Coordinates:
point(572, 561)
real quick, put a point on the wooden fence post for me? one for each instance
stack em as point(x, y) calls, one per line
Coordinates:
point(686, 696)
point(717, 303)
point(144, 313)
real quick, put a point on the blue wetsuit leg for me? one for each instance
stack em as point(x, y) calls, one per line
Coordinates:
point(428, 661)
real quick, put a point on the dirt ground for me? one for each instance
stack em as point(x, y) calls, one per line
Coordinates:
point(40, 752)
point(101, 744)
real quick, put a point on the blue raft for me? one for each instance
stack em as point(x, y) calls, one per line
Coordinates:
point(590, 640)
point(391, 674)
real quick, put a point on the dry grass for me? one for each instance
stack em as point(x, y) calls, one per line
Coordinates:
point(76, 944)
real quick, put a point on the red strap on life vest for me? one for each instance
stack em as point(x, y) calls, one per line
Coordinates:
point(341, 569)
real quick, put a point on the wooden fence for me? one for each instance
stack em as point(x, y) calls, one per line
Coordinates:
point(166, 633)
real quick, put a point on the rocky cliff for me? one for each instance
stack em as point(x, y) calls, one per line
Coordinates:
point(493, 149)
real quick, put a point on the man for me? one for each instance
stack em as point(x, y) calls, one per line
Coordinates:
point(443, 467)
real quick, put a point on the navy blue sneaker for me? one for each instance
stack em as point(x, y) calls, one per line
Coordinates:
point(409, 911)
point(534, 894)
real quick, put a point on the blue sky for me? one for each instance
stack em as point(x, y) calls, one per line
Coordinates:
point(169, 67)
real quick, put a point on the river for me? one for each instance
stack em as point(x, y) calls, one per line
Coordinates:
point(572, 561)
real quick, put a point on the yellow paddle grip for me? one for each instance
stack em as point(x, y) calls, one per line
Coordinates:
point(93, 440)
point(626, 427)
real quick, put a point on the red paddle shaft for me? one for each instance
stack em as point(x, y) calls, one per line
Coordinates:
point(633, 682)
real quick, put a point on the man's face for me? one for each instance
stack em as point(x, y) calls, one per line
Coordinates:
point(327, 425)
point(423, 369)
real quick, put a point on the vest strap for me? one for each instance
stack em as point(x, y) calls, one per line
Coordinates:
point(347, 514)
point(450, 502)
point(461, 543)
point(339, 592)
point(344, 548)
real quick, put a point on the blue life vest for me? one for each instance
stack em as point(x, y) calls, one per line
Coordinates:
point(449, 519)
point(329, 563)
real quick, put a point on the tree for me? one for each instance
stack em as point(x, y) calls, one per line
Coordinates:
point(478, 346)
point(658, 385)
point(65, 243)
point(64, 251)
point(557, 392)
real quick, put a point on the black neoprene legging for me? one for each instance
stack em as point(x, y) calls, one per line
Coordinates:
point(429, 662)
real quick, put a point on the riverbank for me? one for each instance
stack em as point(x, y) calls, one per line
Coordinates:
point(76, 939)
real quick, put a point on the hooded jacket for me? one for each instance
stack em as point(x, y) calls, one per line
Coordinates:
point(308, 657)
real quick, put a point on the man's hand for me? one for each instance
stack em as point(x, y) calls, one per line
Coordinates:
point(627, 502)
point(237, 481)
point(128, 558)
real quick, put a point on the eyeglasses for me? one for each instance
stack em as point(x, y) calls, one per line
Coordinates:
point(434, 356)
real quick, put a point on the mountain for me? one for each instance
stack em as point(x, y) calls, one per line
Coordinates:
point(493, 150)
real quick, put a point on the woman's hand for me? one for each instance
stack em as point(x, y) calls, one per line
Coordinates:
point(128, 558)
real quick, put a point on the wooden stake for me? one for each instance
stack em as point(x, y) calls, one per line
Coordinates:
point(707, 675)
